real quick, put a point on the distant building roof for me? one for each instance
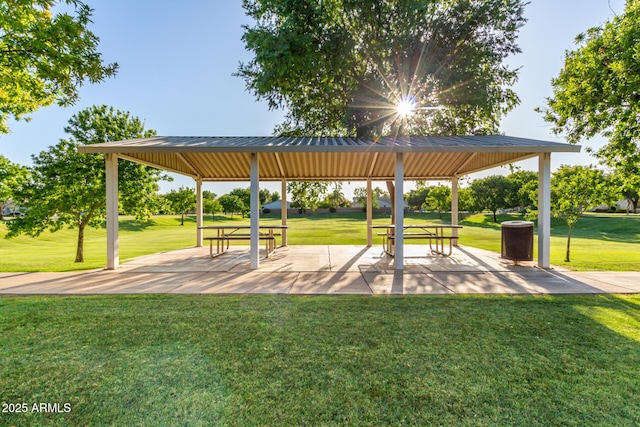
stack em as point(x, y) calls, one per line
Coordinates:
point(275, 205)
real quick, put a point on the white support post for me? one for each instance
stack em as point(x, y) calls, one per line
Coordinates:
point(454, 208)
point(283, 212)
point(113, 249)
point(199, 209)
point(369, 214)
point(399, 213)
point(254, 211)
point(544, 210)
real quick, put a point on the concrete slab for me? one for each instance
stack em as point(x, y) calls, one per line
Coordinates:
point(238, 283)
point(383, 283)
point(543, 282)
point(350, 258)
point(15, 280)
point(480, 282)
point(321, 269)
point(609, 281)
point(403, 284)
point(339, 283)
point(420, 284)
point(99, 283)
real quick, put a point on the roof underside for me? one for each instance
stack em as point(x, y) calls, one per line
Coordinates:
point(307, 158)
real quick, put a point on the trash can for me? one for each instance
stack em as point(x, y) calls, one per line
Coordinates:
point(517, 240)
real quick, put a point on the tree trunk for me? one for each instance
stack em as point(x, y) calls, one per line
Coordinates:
point(567, 257)
point(495, 217)
point(80, 247)
point(182, 218)
point(391, 188)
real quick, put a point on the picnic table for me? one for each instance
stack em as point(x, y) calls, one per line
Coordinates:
point(436, 234)
point(225, 234)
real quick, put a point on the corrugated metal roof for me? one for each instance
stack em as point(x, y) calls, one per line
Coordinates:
point(327, 158)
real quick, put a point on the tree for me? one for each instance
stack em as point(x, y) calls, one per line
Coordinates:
point(231, 203)
point(12, 176)
point(210, 203)
point(523, 183)
point(163, 206)
point(68, 189)
point(360, 196)
point(336, 197)
point(575, 190)
point(182, 200)
point(264, 195)
point(267, 196)
point(632, 197)
point(492, 193)
point(45, 57)
point(596, 92)
point(379, 193)
point(629, 186)
point(275, 196)
point(244, 194)
point(439, 199)
point(341, 68)
point(308, 194)
point(465, 200)
point(416, 198)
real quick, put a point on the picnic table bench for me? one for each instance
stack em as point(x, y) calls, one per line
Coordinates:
point(434, 233)
point(228, 233)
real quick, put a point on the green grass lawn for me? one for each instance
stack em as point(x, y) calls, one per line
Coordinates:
point(600, 242)
point(281, 360)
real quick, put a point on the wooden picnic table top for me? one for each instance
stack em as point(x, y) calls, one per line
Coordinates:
point(241, 227)
point(418, 226)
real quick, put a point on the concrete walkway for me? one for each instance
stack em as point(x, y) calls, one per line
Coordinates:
point(309, 270)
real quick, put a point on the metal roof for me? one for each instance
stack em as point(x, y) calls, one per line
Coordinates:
point(327, 158)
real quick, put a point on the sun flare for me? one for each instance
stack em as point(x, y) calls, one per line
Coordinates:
point(406, 107)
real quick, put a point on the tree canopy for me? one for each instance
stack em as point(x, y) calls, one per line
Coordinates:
point(416, 198)
point(575, 190)
point(307, 194)
point(12, 176)
point(45, 57)
point(523, 184)
point(231, 203)
point(597, 92)
point(438, 199)
point(210, 203)
point(492, 193)
point(341, 68)
point(68, 189)
point(182, 200)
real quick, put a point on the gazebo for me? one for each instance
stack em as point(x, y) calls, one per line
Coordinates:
point(284, 159)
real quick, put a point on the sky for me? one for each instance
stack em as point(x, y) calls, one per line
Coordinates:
point(177, 64)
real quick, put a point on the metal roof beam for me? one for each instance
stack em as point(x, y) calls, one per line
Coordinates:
point(372, 165)
point(189, 164)
point(280, 165)
point(155, 165)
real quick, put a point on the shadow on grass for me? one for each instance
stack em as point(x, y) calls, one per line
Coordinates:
point(614, 228)
point(135, 225)
point(603, 227)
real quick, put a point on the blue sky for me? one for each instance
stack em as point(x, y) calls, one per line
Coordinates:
point(176, 66)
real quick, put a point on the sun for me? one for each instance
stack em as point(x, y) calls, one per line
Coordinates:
point(407, 106)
